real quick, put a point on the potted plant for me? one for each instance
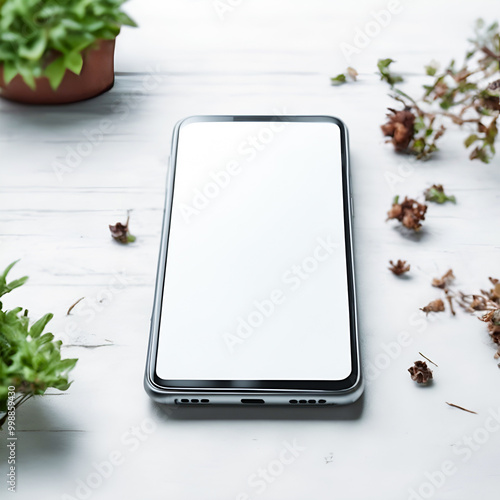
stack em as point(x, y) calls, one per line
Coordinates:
point(58, 51)
point(30, 358)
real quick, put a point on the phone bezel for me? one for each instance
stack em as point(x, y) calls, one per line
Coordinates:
point(156, 385)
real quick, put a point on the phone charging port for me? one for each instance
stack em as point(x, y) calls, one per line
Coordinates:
point(253, 401)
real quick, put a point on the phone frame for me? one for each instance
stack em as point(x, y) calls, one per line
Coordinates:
point(242, 392)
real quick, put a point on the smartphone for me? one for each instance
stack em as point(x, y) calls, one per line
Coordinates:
point(255, 299)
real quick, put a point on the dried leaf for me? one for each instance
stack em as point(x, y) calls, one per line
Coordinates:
point(445, 280)
point(433, 306)
point(353, 74)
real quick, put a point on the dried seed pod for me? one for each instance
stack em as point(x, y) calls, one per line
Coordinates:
point(400, 267)
point(420, 372)
point(409, 212)
point(400, 127)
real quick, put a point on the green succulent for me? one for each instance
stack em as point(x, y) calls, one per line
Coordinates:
point(47, 37)
point(30, 359)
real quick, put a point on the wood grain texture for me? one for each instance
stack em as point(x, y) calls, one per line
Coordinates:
point(262, 57)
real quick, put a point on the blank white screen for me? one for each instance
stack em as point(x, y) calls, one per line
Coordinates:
point(255, 285)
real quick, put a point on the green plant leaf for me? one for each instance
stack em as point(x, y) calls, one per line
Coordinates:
point(8, 287)
point(470, 140)
point(74, 62)
point(339, 79)
point(8, 269)
point(36, 49)
point(27, 75)
point(37, 328)
point(385, 73)
point(125, 20)
point(436, 194)
point(55, 72)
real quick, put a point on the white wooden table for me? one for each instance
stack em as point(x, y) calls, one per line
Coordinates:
point(261, 57)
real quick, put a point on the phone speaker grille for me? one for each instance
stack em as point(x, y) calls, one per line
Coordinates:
point(195, 401)
point(307, 401)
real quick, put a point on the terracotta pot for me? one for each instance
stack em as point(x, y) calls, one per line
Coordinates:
point(97, 76)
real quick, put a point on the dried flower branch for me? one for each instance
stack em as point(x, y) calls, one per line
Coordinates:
point(433, 306)
point(409, 212)
point(400, 267)
point(492, 319)
point(120, 232)
point(436, 194)
point(466, 95)
point(420, 372)
point(487, 301)
point(420, 133)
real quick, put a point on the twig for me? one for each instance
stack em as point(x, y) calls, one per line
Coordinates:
point(71, 307)
point(430, 361)
point(449, 298)
point(457, 119)
point(490, 53)
point(461, 408)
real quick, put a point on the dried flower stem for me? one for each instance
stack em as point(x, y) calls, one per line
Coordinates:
point(430, 361)
point(461, 408)
point(73, 305)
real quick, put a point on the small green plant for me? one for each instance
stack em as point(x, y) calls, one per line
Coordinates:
point(436, 194)
point(47, 37)
point(30, 360)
